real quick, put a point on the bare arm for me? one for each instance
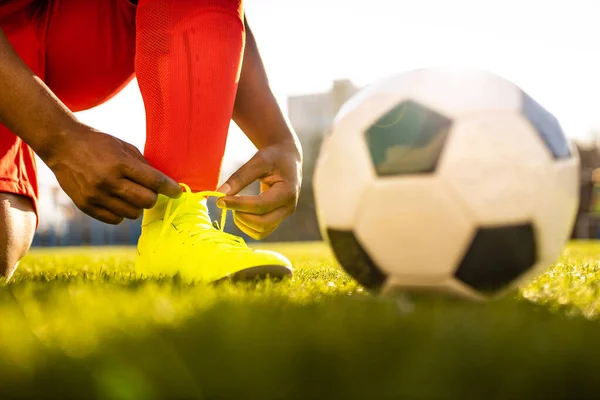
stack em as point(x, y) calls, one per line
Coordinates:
point(256, 110)
point(278, 162)
point(105, 177)
point(27, 107)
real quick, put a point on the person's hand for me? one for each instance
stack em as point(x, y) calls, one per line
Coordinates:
point(106, 178)
point(279, 169)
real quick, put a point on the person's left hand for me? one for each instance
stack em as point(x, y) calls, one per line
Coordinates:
point(279, 169)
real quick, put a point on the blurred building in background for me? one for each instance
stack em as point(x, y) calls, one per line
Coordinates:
point(62, 224)
point(311, 116)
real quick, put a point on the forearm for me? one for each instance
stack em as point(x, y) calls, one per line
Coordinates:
point(256, 110)
point(27, 107)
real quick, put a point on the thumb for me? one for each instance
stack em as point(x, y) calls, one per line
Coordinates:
point(254, 169)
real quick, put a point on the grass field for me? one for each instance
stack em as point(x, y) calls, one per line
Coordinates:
point(77, 324)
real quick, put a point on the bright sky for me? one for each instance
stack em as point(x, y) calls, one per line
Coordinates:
point(551, 48)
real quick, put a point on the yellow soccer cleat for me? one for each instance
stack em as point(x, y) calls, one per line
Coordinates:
point(178, 237)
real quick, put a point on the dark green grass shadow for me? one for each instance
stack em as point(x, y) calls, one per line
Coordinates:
point(338, 348)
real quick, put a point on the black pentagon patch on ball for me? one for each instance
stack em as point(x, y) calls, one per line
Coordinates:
point(354, 259)
point(408, 139)
point(497, 256)
point(547, 126)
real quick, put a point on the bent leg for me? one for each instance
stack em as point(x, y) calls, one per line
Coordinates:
point(17, 227)
point(188, 61)
point(18, 175)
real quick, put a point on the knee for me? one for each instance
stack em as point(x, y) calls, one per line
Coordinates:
point(17, 227)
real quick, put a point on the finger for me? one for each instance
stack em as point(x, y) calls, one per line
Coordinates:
point(102, 214)
point(152, 179)
point(135, 194)
point(119, 207)
point(249, 231)
point(263, 223)
point(275, 197)
point(254, 169)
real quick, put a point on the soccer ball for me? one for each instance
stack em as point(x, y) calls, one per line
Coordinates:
point(445, 180)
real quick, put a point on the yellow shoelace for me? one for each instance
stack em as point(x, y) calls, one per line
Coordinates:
point(170, 214)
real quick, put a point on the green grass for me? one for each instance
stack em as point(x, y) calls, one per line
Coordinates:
point(75, 323)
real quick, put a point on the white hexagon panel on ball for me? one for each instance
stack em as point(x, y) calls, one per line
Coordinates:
point(414, 230)
point(495, 163)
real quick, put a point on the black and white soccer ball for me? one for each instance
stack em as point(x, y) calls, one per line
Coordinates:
point(446, 180)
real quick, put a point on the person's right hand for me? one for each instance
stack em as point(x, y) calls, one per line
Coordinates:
point(106, 178)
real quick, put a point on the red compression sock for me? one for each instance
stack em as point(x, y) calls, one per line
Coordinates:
point(188, 61)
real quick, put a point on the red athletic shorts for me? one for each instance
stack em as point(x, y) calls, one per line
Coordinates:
point(83, 50)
